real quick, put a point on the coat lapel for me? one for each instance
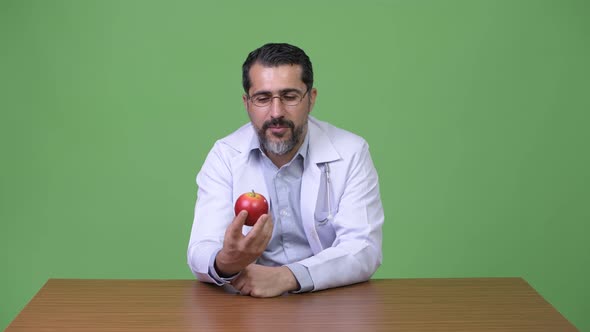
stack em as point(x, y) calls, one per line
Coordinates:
point(248, 175)
point(320, 151)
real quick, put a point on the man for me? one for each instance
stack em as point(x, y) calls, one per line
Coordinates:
point(323, 229)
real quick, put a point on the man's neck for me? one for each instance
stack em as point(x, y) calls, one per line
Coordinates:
point(281, 160)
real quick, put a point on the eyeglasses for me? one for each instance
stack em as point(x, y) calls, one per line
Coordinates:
point(289, 98)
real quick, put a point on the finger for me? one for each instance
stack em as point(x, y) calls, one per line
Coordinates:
point(266, 232)
point(257, 236)
point(245, 290)
point(240, 219)
point(238, 283)
point(262, 222)
point(268, 226)
point(235, 228)
point(257, 293)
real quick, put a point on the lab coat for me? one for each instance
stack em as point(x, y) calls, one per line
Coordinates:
point(341, 207)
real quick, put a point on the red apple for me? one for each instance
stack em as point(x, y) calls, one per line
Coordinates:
point(254, 203)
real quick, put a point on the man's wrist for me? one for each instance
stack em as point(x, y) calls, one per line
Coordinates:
point(223, 269)
point(302, 276)
point(217, 278)
point(222, 272)
point(289, 279)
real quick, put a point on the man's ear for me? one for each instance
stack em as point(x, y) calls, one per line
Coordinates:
point(312, 96)
point(245, 101)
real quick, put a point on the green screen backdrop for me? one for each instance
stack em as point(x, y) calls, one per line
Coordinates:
point(476, 113)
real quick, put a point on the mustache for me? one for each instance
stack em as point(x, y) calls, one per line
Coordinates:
point(280, 122)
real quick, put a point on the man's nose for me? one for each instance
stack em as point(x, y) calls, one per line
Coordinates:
point(277, 109)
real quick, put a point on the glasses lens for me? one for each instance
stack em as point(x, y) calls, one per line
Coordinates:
point(288, 99)
point(291, 99)
point(262, 100)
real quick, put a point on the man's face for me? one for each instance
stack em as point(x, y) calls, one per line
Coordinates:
point(281, 128)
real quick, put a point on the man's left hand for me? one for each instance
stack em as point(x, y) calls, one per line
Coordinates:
point(264, 281)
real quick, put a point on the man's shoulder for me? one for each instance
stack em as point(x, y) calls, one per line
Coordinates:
point(239, 140)
point(339, 137)
point(329, 142)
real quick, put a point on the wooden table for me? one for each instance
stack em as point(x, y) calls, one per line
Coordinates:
point(488, 304)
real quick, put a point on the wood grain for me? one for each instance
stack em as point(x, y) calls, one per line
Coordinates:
point(475, 304)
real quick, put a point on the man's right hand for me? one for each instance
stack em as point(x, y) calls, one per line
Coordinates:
point(240, 251)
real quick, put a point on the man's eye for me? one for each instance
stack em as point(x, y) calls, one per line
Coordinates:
point(262, 99)
point(290, 97)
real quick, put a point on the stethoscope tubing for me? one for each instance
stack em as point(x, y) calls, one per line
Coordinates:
point(328, 184)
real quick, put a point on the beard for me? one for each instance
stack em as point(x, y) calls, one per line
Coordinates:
point(281, 146)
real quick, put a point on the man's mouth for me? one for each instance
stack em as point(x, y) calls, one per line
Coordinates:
point(278, 125)
point(278, 130)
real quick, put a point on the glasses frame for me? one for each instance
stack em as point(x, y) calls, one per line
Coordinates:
point(280, 99)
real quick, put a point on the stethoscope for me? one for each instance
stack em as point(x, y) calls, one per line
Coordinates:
point(328, 184)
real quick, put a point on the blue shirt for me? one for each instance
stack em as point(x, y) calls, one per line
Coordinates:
point(288, 243)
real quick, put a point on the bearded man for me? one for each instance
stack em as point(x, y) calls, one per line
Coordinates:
point(324, 226)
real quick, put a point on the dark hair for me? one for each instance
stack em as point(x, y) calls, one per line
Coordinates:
point(276, 54)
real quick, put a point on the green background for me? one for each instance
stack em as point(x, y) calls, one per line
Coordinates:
point(476, 113)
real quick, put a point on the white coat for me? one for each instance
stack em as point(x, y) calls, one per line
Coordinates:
point(340, 203)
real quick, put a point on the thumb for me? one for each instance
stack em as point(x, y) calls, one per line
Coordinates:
point(234, 230)
point(240, 219)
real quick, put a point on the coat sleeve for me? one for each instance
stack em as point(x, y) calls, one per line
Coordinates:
point(356, 251)
point(213, 213)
